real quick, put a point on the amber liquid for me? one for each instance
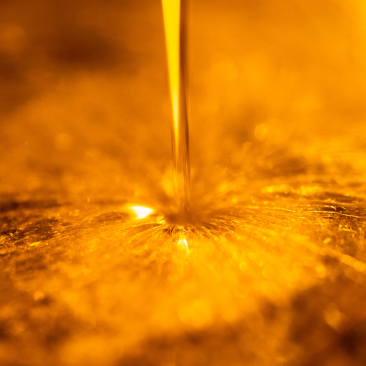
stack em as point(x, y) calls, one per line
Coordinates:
point(176, 34)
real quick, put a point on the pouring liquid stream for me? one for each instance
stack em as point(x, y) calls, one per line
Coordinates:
point(175, 15)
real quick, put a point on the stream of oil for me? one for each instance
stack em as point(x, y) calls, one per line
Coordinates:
point(175, 22)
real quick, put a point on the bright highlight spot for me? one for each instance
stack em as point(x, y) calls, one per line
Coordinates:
point(141, 212)
point(183, 243)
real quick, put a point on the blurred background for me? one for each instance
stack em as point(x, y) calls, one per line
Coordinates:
point(277, 118)
point(86, 86)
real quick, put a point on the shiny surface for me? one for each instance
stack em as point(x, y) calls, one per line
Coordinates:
point(175, 21)
point(271, 271)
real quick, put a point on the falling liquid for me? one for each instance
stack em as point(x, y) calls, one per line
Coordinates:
point(174, 12)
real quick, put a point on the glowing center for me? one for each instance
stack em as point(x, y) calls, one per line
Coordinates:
point(141, 212)
point(183, 243)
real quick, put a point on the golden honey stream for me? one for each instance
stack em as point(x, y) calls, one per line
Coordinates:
point(175, 31)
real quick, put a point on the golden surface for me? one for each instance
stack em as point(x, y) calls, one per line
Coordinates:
point(272, 272)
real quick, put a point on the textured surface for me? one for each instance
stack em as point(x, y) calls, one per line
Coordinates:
point(275, 270)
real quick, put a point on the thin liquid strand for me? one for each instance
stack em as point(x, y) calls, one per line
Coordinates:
point(175, 15)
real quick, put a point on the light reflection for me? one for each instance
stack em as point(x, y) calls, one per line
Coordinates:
point(171, 11)
point(141, 212)
point(183, 243)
